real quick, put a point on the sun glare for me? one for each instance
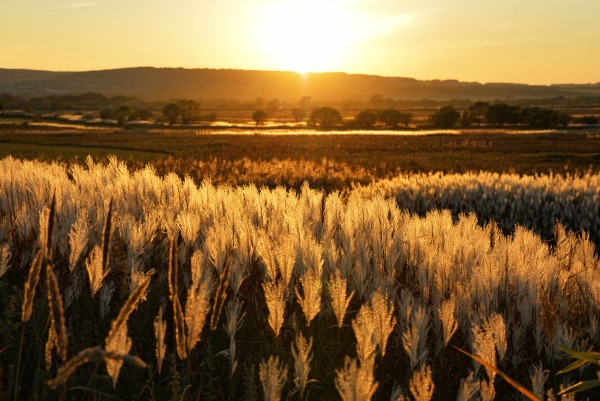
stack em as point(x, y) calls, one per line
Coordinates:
point(306, 36)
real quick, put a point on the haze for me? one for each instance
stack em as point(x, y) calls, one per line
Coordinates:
point(524, 41)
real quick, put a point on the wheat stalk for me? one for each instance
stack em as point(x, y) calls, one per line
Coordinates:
point(117, 340)
point(302, 359)
point(233, 324)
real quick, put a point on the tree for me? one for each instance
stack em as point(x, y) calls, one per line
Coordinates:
point(537, 117)
point(122, 113)
point(171, 112)
point(140, 115)
point(500, 114)
point(366, 119)
point(325, 117)
point(299, 114)
point(188, 110)
point(475, 114)
point(259, 117)
point(392, 117)
point(107, 114)
point(446, 117)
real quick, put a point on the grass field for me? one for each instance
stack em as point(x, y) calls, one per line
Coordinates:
point(380, 155)
point(120, 281)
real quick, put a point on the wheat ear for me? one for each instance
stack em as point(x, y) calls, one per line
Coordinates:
point(128, 307)
point(117, 341)
point(57, 317)
point(30, 285)
point(159, 331)
point(72, 364)
point(89, 355)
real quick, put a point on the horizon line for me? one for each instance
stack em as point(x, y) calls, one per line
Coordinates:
point(301, 74)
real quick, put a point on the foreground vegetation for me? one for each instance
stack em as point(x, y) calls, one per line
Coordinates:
point(275, 294)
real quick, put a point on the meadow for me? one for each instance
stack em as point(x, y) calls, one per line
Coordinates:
point(298, 267)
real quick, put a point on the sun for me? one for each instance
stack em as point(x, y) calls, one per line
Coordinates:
point(305, 36)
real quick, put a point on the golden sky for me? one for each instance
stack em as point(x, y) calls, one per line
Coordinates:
point(523, 41)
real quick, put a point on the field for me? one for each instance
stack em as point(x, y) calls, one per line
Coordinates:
point(240, 157)
point(247, 265)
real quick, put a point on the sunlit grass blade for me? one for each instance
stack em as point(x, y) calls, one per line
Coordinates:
point(50, 227)
point(582, 358)
point(106, 238)
point(581, 386)
point(510, 381)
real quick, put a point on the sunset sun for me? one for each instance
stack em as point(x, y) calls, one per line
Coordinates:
point(305, 36)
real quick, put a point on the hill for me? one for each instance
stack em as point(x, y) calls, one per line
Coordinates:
point(150, 83)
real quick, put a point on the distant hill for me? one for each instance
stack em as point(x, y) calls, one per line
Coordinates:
point(149, 83)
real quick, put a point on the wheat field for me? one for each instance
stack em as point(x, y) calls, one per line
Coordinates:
point(119, 284)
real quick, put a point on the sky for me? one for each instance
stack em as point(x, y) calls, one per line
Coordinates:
point(520, 41)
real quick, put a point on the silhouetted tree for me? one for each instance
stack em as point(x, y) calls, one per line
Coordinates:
point(171, 112)
point(122, 113)
point(500, 114)
point(446, 117)
point(188, 110)
point(140, 115)
point(392, 117)
point(475, 114)
point(325, 117)
point(366, 119)
point(259, 117)
point(537, 117)
point(107, 114)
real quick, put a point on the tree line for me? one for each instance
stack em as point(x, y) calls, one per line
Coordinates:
point(377, 115)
